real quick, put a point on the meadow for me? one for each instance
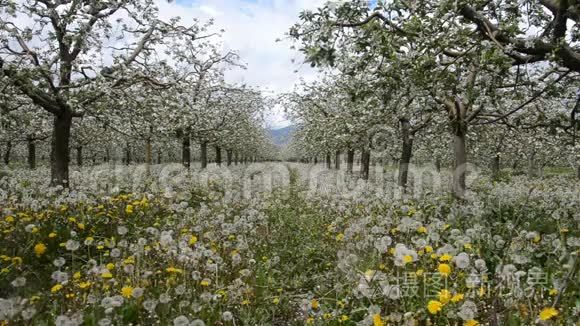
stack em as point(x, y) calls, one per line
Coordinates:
point(265, 244)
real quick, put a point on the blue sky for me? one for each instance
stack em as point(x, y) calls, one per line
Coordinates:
point(251, 28)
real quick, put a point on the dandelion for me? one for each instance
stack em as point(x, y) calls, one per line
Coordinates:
point(129, 209)
point(548, 313)
point(39, 249)
point(192, 240)
point(377, 321)
point(127, 291)
point(457, 297)
point(444, 269)
point(444, 296)
point(314, 304)
point(56, 288)
point(434, 306)
point(276, 300)
point(471, 322)
point(180, 321)
point(205, 282)
point(445, 257)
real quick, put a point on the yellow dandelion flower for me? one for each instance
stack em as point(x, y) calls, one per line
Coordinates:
point(445, 257)
point(77, 275)
point(343, 318)
point(444, 269)
point(314, 304)
point(39, 249)
point(84, 285)
point(17, 261)
point(471, 322)
point(444, 296)
point(129, 209)
point(9, 219)
point(377, 320)
point(428, 249)
point(276, 300)
point(56, 288)
point(553, 292)
point(204, 283)
point(52, 235)
point(107, 275)
point(192, 240)
point(407, 259)
point(339, 237)
point(422, 229)
point(434, 306)
point(110, 266)
point(548, 313)
point(457, 297)
point(127, 291)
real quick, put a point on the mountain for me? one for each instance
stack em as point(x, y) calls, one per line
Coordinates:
point(282, 136)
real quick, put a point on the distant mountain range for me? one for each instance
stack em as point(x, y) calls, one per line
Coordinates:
point(281, 137)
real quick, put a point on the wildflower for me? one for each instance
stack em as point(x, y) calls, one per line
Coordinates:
point(444, 269)
point(339, 237)
point(343, 318)
point(314, 304)
point(548, 313)
point(173, 270)
point(129, 209)
point(553, 292)
point(428, 249)
point(192, 240)
point(84, 285)
point(39, 249)
point(81, 226)
point(9, 219)
point(205, 282)
point(110, 266)
point(16, 260)
point(377, 321)
point(434, 306)
point(445, 257)
point(127, 291)
point(457, 297)
point(276, 300)
point(471, 322)
point(52, 235)
point(444, 296)
point(422, 229)
point(407, 259)
point(77, 275)
point(107, 275)
point(56, 288)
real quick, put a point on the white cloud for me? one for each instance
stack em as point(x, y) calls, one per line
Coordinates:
point(251, 28)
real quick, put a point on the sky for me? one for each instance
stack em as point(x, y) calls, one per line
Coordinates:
point(252, 28)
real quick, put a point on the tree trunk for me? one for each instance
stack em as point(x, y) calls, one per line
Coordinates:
point(237, 158)
point(315, 160)
point(495, 166)
point(218, 155)
point(203, 155)
point(7, 153)
point(107, 155)
point(79, 155)
point(159, 157)
point(365, 162)
point(128, 155)
point(31, 154)
point(337, 160)
point(229, 156)
point(148, 156)
point(60, 149)
point(438, 164)
point(406, 153)
point(186, 151)
point(460, 164)
point(328, 162)
point(349, 160)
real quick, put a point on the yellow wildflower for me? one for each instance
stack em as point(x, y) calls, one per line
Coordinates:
point(127, 291)
point(548, 313)
point(377, 321)
point(314, 304)
point(56, 288)
point(471, 322)
point(445, 257)
point(192, 240)
point(444, 296)
point(434, 306)
point(457, 297)
point(444, 269)
point(39, 249)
